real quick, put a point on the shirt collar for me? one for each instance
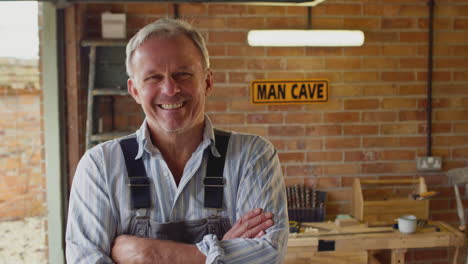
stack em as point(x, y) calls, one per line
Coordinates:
point(144, 139)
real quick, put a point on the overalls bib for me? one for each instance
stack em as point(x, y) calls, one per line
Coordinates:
point(191, 231)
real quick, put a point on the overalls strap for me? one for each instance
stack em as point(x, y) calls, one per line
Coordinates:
point(214, 181)
point(139, 183)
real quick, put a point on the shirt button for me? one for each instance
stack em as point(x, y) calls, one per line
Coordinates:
point(141, 232)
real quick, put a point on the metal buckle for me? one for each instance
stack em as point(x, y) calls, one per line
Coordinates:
point(139, 181)
point(214, 181)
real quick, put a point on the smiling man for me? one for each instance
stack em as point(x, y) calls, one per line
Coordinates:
point(177, 190)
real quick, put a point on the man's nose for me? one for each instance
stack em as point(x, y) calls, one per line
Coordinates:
point(170, 87)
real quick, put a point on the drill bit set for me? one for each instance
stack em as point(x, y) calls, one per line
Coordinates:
point(305, 204)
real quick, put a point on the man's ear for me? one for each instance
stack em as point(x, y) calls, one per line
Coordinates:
point(133, 91)
point(209, 82)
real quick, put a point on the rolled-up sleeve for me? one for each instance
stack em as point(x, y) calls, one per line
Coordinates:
point(262, 186)
point(90, 225)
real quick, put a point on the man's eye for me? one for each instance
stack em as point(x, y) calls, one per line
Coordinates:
point(181, 76)
point(153, 78)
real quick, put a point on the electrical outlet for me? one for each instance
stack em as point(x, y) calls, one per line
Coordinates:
point(429, 163)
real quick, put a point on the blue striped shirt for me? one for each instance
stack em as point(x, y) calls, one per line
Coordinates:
point(99, 208)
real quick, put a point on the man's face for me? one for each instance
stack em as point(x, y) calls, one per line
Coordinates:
point(170, 83)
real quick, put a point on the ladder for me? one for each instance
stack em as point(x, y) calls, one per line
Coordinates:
point(92, 136)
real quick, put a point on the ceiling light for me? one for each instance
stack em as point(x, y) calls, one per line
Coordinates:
point(309, 38)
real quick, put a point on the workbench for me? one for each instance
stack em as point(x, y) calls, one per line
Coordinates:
point(356, 244)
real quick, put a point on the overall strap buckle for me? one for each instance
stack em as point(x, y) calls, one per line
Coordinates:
point(214, 181)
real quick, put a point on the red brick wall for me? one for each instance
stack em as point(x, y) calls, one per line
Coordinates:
point(374, 125)
point(22, 180)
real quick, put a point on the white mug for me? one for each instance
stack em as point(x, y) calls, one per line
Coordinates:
point(407, 224)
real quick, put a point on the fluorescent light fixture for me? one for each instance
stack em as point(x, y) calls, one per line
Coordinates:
point(309, 38)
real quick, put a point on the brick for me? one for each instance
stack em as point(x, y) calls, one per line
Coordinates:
point(230, 10)
point(324, 156)
point(323, 130)
point(285, 75)
point(413, 63)
point(399, 50)
point(255, 130)
point(341, 90)
point(302, 170)
point(286, 108)
point(289, 131)
point(381, 10)
point(227, 118)
point(304, 63)
point(452, 10)
point(398, 23)
point(460, 127)
point(186, 9)
point(327, 22)
point(247, 23)
point(383, 89)
point(266, 10)
point(361, 104)
point(377, 37)
point(399, 103)
point(328, 182)
point(379, 63)
point(450, 140)
point(304, 118)
point(286, 157)
point(398, 155)
point(331, 76)
point(285, 51)
point(227, 63)
point(245, 51)
point(341, 169)
point(323, 51)
point(438, 76)
point(281, 23)
point(413, 37)
point(366, 50)
point(266, 118)
point(279, 144)
point(341, 117)
point(304, 144)
point(360, 130)
point(244, 77)
point(226, 37)
point(244, 105)
point(229, 91)
point(398, 76)
point(436, 128)
point(460, 76)
point(413, 141)
point(361, 155)
point(343, 9)
point(451, 63)
point(209, 22)
point(451, 115)
point(361, 23)
point(452, 37)
point(460, 153)
point(360, 76)
point(388, 167)
point(342, 143)
point(439, 23)
point(412, 116)
point(216, 50)
point(379, 116)
point(414, 10)
point(342, 63)
point(266, 64)
point(409, 128)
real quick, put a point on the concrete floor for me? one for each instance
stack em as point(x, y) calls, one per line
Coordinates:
point(23, 241)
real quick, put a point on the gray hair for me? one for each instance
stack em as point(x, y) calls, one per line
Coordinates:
point(166, 27)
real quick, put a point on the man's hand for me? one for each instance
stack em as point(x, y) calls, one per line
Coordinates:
point(251, 225)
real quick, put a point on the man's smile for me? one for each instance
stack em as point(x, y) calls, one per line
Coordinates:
point(170, 106)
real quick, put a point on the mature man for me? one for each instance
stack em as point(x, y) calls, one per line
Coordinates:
point(169, 192)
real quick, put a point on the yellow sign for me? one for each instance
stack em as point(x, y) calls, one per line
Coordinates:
point(288, 91)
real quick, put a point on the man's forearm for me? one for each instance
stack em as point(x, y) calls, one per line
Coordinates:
point(133, 250)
